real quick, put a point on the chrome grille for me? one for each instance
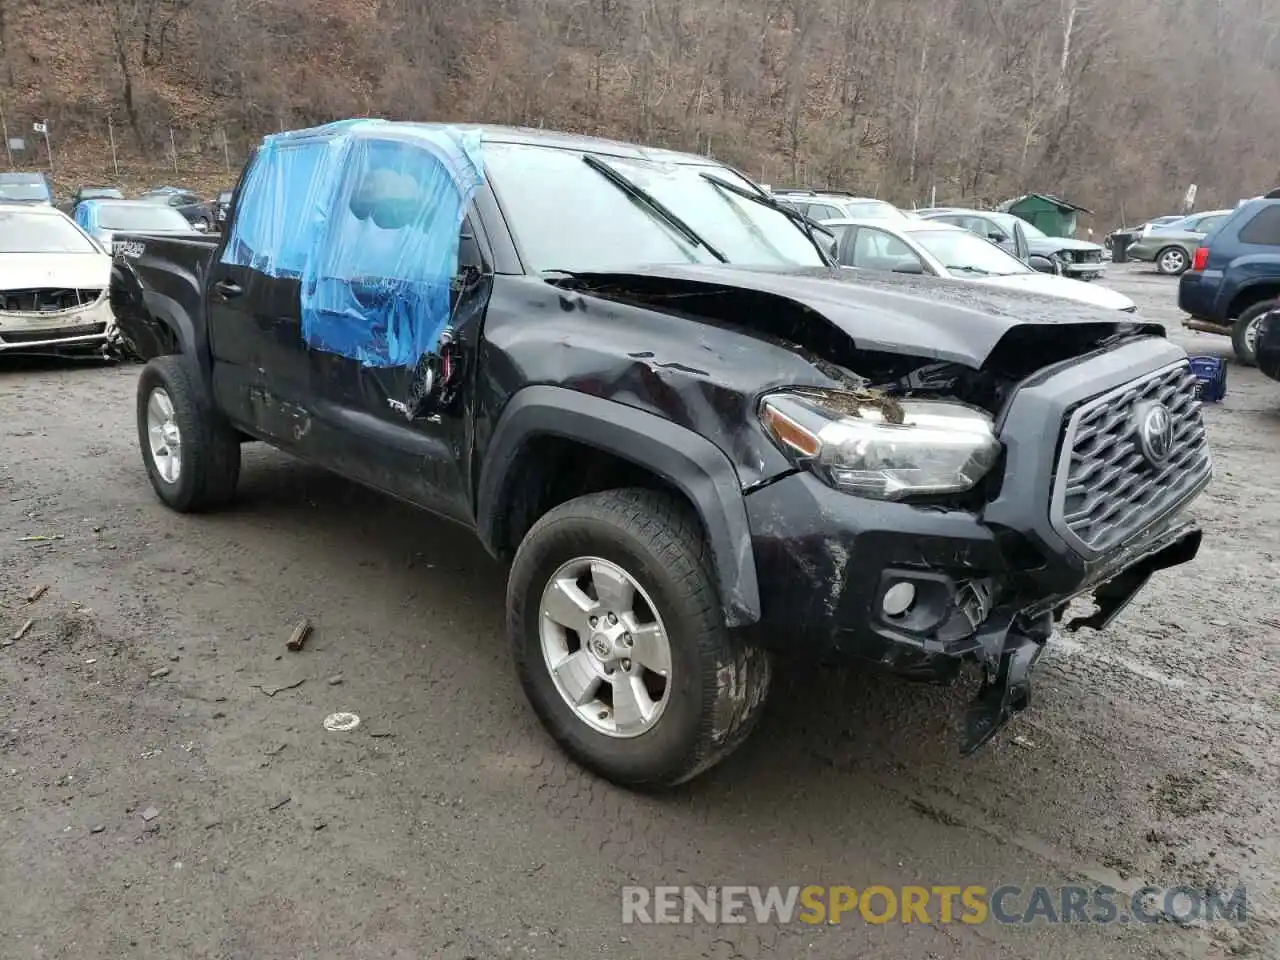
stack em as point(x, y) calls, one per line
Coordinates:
point(1106, 489)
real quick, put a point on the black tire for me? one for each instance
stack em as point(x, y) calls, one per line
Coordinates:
point(1183, 262)
point(1240, 331)
point(209, 462)
point(719, 683)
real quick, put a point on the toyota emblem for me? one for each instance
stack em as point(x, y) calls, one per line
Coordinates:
point(1155, 432)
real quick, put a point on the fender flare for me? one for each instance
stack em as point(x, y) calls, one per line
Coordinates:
point(1246, 288)
point(687, 461)
point(193, 347)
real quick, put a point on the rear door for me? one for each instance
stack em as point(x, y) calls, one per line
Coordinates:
point(252, 302)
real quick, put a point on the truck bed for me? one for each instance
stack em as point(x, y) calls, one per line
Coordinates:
point(157, 278)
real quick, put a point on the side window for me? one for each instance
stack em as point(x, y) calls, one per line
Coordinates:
point(274, 222)
point(176, 200)
point(377, 282)
point(1209, 224)
point(820, 211)
point(1264, 228)
point(876, 250)
point(989, 229)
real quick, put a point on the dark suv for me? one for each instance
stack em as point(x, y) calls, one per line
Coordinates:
point(698, 441)
point(1235, 277)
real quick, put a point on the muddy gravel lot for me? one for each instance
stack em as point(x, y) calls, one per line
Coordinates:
point(168, 789)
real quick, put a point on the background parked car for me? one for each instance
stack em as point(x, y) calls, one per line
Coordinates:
point(941, 250)
point(834, 205)
point(102, 219)
point(186, 202)
point(1080, 259)
point(1235, 277)
point(53, 283)
point(24, 187)
point(1171, 246)
point(87, 192)
point(1132, 233)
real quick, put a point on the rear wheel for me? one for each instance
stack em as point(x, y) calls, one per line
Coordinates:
point(620, 642)
point(191, 453)
point(1244, 333)
point(1172, 261)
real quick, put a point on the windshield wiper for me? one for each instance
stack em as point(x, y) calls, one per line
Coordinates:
point(795, 216)
point(648, 200)
point(968, 269)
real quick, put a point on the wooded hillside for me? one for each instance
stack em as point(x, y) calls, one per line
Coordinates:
point(1116, 104)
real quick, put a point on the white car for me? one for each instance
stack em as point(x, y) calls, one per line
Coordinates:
point(54, 283)
point(823, 206)
point(942, 250)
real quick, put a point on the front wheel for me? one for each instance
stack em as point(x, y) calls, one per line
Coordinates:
point(191, 454)
point(1172, 261)
point(620, 641)
point(1244, 333)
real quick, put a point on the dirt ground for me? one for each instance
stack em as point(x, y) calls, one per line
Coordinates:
point(167, 788)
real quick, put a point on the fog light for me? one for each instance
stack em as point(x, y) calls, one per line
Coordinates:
point(898, 599)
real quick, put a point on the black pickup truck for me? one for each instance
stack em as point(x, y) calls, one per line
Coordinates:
point(698, 441)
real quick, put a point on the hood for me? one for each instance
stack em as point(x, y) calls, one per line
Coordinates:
point(1092, 294)
point(950, 320)
point(27, 271)
point(1054, 244)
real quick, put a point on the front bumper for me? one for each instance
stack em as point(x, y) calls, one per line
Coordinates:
point(1089, 270)
point(79, 329)
point(988, 583)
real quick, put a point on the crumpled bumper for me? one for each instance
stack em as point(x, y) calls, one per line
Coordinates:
point(84, 328)
point(826, 566)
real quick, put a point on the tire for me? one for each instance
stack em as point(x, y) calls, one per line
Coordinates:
point(208, 449)
point(1240, 333)
point(717, 684)
point(1172, 261)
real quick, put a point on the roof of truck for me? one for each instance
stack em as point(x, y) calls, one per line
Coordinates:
point(529, 136)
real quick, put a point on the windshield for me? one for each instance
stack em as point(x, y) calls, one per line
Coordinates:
point(576, 219)
point(1008, 220)
point(873, 210)
point(41, 233)
point(140, 216)
point(965, 253)
point(23, 191)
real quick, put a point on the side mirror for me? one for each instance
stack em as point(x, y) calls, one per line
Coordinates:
point(911, 267)
point(1042, 264)
point(200, 227)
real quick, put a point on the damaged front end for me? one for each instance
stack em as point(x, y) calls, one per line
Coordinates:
point(56, 320)
point(948, 515)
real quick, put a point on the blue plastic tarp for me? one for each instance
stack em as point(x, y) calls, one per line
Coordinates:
point(86, 214)
point(366, 215)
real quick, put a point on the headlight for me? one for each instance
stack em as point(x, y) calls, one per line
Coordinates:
point(856, 446)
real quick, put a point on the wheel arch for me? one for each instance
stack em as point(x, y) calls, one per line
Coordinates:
point(539, 419)
point(1251, 294)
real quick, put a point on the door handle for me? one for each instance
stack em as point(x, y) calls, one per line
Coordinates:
point(227, 289)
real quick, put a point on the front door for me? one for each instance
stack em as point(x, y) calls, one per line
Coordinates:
point(386, 283)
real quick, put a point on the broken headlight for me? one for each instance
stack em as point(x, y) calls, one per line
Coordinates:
point(878, 447)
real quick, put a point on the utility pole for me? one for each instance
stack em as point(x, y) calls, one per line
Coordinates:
point(43, 127)
point(111, 135)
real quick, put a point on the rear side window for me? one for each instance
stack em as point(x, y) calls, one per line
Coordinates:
point(1263, 229)
point(820, 211)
